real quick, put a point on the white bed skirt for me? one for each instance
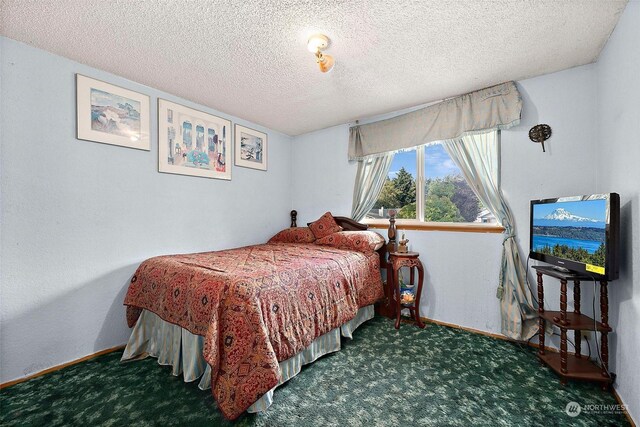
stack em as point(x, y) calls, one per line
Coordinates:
point(182, 350)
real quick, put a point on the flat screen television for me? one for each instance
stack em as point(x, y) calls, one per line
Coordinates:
point(579, 233)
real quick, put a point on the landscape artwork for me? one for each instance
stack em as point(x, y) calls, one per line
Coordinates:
point(111, 114)
point(250, 148)
point(573, 230)
point(192, 142)
point(115, 114)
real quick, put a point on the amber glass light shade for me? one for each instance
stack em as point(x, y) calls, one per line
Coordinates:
point(326, 63)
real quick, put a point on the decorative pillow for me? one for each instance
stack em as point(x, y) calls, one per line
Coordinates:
point(324, 226)
point(361, 241)
point(294, 235)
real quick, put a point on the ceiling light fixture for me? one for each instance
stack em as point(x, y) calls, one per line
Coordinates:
point(317, 44)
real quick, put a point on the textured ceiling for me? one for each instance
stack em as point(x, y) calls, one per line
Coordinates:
point(249, 58)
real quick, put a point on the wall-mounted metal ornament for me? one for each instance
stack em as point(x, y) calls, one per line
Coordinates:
point(540, 133)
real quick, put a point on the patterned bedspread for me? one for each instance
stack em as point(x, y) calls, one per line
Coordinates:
point(255, 306)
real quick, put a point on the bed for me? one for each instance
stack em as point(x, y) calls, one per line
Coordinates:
point(244, 320)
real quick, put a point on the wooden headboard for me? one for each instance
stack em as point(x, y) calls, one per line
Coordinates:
point(384, 307)
point(348, 224)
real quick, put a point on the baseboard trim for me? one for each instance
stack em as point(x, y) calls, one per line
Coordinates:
point(64, 365)
point(464, 328)
point(626, 413)
point(530, 344)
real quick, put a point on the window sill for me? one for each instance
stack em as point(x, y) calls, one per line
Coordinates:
point(408, 224)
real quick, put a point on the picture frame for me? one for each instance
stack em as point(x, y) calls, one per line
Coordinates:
point(251, 148)
point(110, 114)
point(192, 142)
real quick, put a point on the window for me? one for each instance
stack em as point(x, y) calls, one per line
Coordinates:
point(426, 185)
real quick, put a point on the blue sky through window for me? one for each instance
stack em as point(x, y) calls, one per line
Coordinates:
point(438, 164)
point(592, 209)
point(407, 160)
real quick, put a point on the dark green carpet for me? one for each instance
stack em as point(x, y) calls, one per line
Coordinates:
point(433, 377)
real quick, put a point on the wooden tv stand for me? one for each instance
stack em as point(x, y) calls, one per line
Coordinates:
point(573, 366)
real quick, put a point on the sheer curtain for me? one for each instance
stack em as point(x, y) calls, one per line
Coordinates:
point(371, 175)
point(477, 157)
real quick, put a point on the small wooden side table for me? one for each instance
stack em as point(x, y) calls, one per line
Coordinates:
point(410, 260)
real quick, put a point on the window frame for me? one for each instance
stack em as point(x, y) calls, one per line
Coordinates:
point(419, 223)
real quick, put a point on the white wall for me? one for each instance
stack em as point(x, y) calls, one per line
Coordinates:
point(462, 269)
point(322, 178)
point(78, 217)
point(567, 102)
point(619, 171)
point(594, 113)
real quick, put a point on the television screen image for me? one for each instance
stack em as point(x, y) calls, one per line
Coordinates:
point(576, 232)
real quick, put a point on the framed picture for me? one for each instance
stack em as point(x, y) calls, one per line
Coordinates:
point(191, 142)
point(111, 114)
point(251, 148)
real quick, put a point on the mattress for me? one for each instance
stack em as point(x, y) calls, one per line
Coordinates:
point(255, 306)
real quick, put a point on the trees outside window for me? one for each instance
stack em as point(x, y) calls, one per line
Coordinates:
point(433, 177)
